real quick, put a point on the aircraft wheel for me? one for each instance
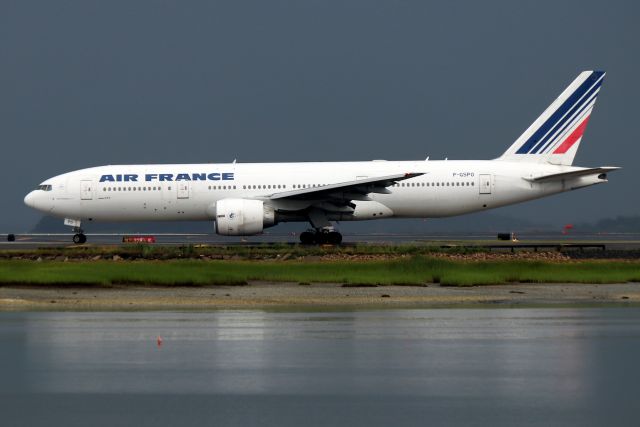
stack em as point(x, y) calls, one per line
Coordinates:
point(320, 238)
point(334, 238)
point(79, 238)
point(306, 238)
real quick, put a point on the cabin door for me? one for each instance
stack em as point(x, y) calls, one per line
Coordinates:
point(485, 183)
point(86, 190)
point(183, 189)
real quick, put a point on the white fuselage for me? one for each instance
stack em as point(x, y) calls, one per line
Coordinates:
point(190, 192)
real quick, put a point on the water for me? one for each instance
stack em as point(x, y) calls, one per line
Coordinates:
point(377, 368)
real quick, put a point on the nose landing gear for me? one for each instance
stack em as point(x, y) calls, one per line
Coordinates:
point(320, 236)
point(79, 238)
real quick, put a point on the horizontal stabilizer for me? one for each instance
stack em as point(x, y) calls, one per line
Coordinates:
point(573, 174)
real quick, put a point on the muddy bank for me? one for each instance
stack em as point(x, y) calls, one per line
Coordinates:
point(258, 295)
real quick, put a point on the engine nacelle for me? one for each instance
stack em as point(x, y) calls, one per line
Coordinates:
point(243, 217)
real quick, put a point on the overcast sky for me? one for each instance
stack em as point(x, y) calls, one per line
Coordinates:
point(86, 83)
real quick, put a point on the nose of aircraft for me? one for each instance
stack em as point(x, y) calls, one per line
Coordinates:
point(29, 200)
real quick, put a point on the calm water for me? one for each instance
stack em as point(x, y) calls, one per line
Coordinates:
point(380, 368)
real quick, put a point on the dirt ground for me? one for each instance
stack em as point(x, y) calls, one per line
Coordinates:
point(261, 295)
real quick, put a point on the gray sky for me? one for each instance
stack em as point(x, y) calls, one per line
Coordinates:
point(85, 83)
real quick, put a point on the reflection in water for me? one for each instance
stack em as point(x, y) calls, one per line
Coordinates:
point(506, 365)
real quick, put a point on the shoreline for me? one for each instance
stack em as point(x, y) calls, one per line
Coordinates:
point(315, 296)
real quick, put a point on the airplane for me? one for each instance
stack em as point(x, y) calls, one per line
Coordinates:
point(243, 199)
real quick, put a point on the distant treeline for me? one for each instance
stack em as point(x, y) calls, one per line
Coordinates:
point(620, 224)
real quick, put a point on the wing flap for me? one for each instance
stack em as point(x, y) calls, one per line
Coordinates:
point(345, 190)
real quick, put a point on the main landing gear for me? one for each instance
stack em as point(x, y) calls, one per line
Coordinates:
point(320, 236)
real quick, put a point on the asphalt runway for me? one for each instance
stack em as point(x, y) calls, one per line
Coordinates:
point(620, 241)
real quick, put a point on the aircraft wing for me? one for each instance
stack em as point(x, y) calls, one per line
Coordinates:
point(345, 191)
point(573, 174)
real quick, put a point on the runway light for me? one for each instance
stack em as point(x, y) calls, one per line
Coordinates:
point(159, 341)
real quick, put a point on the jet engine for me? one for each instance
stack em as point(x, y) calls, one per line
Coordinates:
point(243, 217)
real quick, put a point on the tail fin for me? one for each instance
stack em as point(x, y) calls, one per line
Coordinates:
point(555, 136)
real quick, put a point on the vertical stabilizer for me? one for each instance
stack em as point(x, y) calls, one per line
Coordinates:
point(555, 136)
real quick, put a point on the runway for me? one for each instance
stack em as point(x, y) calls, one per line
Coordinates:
point(612, 241)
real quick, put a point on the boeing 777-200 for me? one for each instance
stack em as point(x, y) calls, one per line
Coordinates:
point(244, 199)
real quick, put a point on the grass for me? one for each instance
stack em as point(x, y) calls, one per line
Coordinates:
point(416, 270)
point(258, 251)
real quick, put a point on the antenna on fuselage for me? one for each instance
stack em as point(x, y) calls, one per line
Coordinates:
point(234, 161)
point(427, 159)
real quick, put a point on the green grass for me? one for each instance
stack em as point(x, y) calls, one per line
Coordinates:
point(415, 270)
point(257, 251)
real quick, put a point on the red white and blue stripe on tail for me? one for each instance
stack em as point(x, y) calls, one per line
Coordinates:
point(554, 137)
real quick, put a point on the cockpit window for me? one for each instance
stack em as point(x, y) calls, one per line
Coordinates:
point(44, 187)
